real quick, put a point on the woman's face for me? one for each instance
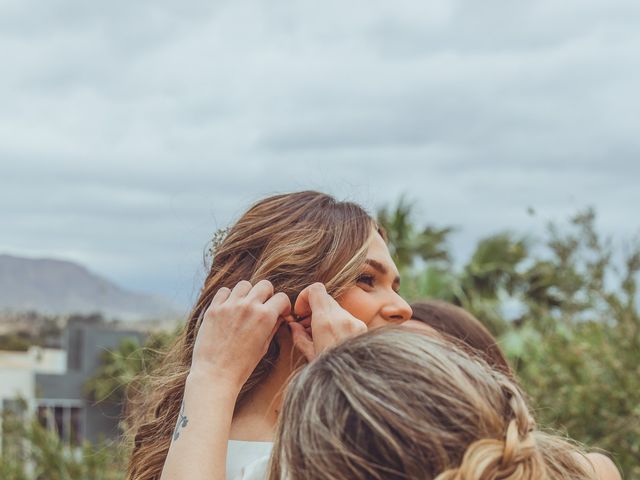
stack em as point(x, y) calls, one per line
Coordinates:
point(374, 299)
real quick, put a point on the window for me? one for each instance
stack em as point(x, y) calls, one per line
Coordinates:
point(66, 419)
point(75, 427)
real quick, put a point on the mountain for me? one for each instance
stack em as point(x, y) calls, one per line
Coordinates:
point(59, 287)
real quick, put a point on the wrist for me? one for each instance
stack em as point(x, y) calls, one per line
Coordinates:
point(204, 377)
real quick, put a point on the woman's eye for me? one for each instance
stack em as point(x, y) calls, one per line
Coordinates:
point(366, 279)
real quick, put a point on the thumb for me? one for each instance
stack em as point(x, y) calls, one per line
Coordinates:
point(313, 298)
point(301, 307)
point(302, 341)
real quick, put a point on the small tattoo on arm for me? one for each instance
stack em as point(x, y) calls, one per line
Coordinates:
point(182, 422)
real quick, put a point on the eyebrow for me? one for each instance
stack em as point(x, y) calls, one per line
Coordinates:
point(381, 268)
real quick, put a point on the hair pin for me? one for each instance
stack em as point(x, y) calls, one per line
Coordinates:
point(216, 241)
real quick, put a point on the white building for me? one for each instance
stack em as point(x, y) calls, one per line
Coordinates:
point(18, 374)
point(18, 369)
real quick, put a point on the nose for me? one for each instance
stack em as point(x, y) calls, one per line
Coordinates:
point(397, 309)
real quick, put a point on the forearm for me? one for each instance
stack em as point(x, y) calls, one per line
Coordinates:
point(199, 443)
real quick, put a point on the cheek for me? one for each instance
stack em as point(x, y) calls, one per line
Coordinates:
point(358, 303)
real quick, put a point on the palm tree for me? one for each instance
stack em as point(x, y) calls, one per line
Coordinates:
point(408, 243)
point(122, 366)
point(494, 266)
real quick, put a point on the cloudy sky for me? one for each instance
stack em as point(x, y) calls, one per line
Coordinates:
point(130, 131)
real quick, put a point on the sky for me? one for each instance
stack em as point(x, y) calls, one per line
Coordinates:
point(131, 131)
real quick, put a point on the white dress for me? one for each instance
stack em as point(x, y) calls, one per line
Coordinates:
point(247, 460)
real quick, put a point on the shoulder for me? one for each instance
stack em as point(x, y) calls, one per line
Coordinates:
point(604, 467)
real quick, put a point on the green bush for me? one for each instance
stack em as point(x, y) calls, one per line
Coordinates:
point(572, 331)
point(31, 452)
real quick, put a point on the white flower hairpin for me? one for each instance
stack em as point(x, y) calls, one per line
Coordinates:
point(216, 241)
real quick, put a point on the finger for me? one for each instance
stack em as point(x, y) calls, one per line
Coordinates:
point(319, 299)
point(240, 291)
point(221, 295)
point(301, 307)
point(289, 318)
point(279, 304)
point(358, 327)
point(310, 298)
point(261, 291)
point(276, 327)
point(302, 341)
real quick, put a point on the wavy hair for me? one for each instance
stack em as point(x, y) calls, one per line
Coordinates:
point(392, 404)
point(291, 240)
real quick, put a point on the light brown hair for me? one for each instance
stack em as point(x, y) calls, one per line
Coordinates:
point(392, 405)
point(291, 240)
point(456, 324)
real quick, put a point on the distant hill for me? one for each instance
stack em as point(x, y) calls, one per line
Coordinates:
point(60, 287)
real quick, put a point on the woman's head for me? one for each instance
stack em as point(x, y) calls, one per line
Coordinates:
point(291, 240)
point(391, 404)
point(296, 239)
point(456, 324)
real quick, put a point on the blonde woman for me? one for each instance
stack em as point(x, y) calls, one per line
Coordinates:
point(393, 404)
point(218, 390)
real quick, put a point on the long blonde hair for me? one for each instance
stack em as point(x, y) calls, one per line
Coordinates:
point(394, 404)
point(292, 240)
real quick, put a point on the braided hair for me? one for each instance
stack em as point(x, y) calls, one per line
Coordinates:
point(393, 404)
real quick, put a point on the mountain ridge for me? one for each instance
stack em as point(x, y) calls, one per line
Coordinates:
point(56, 286)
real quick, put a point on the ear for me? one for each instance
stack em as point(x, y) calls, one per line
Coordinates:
point(302, 341)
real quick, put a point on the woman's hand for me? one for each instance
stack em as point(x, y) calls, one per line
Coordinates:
point(234, 335)
point(237, 329)
point(329, 322)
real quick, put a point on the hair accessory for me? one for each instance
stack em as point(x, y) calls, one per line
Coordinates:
point(216, 241)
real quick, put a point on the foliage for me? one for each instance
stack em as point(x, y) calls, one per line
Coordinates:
point(31, 452)
point(120, 367)
point(25, 328)
point(17, 342)
point(408, 244)
point(564, 308)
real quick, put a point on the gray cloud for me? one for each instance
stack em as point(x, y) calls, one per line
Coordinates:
point(129, 132)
